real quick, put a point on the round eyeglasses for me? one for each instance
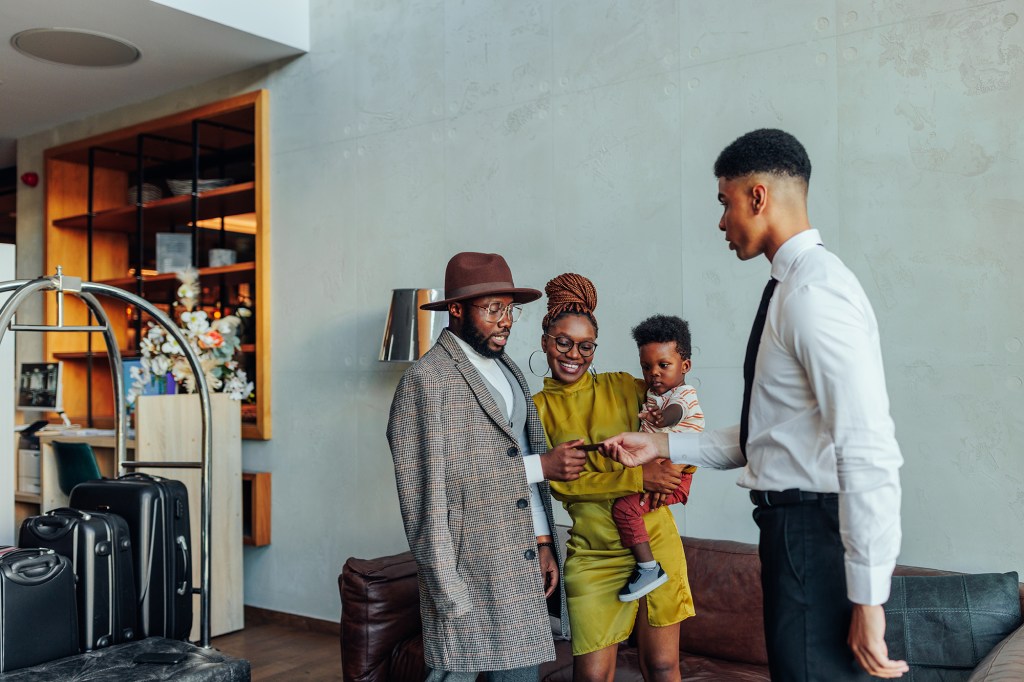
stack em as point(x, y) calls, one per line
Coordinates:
point(564, 345)
point(495, 311)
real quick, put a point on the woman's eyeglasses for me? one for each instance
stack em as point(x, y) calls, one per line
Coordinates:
point(495, 311)
point(564, 345)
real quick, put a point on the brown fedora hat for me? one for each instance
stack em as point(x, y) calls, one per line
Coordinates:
point(470, 275)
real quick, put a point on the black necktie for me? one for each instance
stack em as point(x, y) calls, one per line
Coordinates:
point(751, 360)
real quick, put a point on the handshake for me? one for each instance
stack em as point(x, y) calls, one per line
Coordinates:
point(565, 461)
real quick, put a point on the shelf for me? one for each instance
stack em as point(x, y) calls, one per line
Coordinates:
point(128, 283)
point(96, 355)
point(28, 498)
point(256, 508)
point(117, 149)
point(101, 355)
point(223, 201)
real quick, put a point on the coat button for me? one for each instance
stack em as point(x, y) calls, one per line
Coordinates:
point(513, 452)
point(531, 554)
point(522, 503)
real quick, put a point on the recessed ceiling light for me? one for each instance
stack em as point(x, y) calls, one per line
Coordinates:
point(75, 47)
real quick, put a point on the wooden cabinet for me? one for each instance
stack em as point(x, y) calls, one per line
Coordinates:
point(169, 430)
point(95, 229)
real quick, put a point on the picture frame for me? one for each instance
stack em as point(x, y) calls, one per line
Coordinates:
point(173, 251)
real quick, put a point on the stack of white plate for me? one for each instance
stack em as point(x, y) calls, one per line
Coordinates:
point(149, 193)
point(179, 187)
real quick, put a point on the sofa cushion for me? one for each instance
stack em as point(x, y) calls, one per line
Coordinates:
point(725, 579)
point(118, 663)
point(702, 669)
point(407, 661)
point(944, 624)
point(380, 609)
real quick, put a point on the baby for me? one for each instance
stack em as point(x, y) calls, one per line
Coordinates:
point(671, 405)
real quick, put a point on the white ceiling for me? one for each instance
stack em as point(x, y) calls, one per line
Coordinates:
point(178, 49)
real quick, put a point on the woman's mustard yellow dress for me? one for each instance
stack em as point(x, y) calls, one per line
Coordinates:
point(597, 565)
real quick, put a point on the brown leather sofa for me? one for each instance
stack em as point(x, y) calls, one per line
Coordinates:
point(381, 642)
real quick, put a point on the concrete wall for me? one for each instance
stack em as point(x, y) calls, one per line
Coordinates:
point(8, 455)
point(579, 136)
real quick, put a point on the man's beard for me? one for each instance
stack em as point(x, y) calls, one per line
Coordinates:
point(478, 342)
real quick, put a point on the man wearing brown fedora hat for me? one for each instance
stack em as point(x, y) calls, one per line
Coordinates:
point(465, 438)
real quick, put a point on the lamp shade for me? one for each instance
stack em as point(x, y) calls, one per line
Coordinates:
point(409, 331)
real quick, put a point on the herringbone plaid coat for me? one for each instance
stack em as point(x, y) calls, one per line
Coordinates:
point(461, 483)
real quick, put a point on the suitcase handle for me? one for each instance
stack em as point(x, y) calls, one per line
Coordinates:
point(32, 570)
point(137, 476)
point(55, 523)
point(66, 511)
point(183, 546)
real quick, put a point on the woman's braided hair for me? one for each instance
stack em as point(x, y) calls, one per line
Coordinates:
point(570, 294)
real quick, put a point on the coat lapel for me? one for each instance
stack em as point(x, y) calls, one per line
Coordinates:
point(534, 429)
point(475, 381)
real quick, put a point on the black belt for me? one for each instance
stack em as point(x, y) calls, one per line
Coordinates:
point(777, 498)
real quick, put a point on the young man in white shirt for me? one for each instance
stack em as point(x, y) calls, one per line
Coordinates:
point(816, 442)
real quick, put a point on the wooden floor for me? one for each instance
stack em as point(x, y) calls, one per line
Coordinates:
point(279, 652)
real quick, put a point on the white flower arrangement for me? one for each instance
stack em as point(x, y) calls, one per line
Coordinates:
point(215, 342)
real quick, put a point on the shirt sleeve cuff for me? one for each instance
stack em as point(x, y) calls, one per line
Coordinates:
point(868, 585)
point(683, 447)
point(534, 471)
point(540, 518)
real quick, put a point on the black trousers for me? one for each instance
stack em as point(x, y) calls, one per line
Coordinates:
point(806, 612)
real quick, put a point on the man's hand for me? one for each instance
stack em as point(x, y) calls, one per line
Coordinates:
point(548, 568)
point(867, 640)
point(661, 476)
point(632, 449)
point(563, 462)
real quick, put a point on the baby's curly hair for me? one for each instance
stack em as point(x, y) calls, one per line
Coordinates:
point(664, 329)
point(767, 150)
point(570, 294)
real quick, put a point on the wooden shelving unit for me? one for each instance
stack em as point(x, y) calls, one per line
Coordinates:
point(223, 201)
point(96, 231)
point(256, 491)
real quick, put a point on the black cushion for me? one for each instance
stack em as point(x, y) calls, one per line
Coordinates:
point(944, 625)
point(118, 663)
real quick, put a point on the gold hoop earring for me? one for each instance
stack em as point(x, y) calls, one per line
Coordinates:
point(529, 363)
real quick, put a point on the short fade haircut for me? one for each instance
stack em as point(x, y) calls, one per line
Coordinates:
point(767, 150)
point(664, 329)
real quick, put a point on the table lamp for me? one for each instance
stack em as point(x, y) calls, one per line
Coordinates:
point(409, 331)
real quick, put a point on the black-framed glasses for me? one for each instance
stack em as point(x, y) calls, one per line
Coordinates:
point(564, 345)
point(495, 311)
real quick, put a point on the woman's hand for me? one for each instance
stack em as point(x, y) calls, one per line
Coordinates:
point(661, 476)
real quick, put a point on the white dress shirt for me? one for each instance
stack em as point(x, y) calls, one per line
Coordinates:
point(488, 368)
point(819, 412)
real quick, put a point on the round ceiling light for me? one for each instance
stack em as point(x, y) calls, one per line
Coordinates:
point(75, 47)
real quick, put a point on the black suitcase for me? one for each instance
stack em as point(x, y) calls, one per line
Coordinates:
point(100, 550)
point(38, 617)
point(156, 510)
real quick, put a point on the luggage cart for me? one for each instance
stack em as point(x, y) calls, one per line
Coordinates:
point(62, 284)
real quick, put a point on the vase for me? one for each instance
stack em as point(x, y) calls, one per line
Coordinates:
point(163, 385)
